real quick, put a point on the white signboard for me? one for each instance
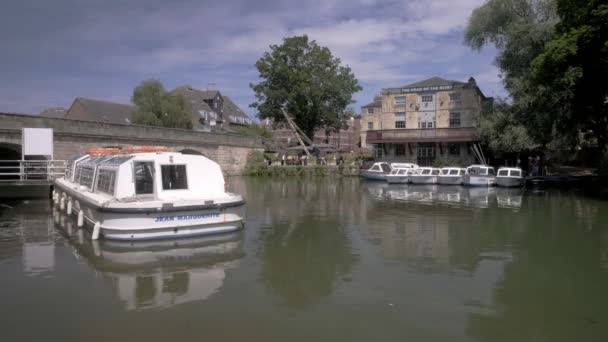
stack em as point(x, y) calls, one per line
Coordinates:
point(37, 142)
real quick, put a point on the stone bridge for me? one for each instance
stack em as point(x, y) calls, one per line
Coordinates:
point(73, 137)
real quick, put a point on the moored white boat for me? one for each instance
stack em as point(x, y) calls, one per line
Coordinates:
point(451, 175)
point(398, 176)
point(377, 171)
point(153, 195)
point(479, 175)
point(425, 175)
point(509, 177)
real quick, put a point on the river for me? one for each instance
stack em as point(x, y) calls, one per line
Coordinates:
point(321, 260)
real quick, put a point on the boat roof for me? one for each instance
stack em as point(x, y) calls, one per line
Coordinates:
point(453, 168)
point(509, 168)
point(480, 166)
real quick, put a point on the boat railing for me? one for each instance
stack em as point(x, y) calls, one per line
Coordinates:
point(31, 170)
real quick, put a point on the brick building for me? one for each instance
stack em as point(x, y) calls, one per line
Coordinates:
point(424, 121)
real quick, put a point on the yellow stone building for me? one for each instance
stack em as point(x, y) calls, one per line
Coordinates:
point(423, 122)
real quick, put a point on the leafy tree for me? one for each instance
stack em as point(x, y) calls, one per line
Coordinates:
point(519, 29)
point(570, 73)
point(157, 107)
point(500, 129)
point(307, 82)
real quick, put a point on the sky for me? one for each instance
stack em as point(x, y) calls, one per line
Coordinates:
point(54, 51)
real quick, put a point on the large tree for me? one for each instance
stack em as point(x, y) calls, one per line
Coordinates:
point(501, 131)
point(157, 107)
point(307, 82)
point(519, 29)
point(570, 73)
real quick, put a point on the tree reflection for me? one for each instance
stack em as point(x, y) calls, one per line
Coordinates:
point(305, 260)
point(554, 289)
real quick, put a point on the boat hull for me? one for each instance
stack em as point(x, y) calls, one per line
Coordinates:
point(418, 179)
point(470, 180)
point(154, 223)
point(509, 182)
point(449, 180)
point(391, 179)
point(374, 176)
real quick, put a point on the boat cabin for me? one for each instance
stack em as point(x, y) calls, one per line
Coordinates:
point(481, 170)
point(404, 166)
point(164, 176)
point(401, 172)
point(509, 172)
point(427, 171)
point(380, 167)
point(453, 171)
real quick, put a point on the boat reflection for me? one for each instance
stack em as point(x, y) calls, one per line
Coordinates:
point(159, 274)
point(478, 197)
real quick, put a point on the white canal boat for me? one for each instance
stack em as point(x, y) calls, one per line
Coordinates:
point(378, 171)
point(509, 177)
point(479, 175)
point(152, 195)
point(451, 176)
point(425, 175)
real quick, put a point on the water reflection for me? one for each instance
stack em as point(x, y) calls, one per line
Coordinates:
point(26, 230)
point(159, 274)
point(478, 197)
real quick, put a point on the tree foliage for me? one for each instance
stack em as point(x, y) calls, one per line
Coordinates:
point(307, 82)
point(553, 56)
point(501, 131)
point(157, 107)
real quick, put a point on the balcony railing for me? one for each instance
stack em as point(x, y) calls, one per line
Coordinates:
point(31, 170)
point(461, 134)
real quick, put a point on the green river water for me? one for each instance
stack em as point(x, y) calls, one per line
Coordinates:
point(321, 260)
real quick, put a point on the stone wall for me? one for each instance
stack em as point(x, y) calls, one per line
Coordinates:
point(74, 137)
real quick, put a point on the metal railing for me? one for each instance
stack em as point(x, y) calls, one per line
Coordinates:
point(31, 170)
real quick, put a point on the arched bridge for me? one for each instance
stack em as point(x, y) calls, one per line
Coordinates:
point(73, 137)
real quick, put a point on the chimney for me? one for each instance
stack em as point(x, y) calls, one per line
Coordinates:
point(472, 82)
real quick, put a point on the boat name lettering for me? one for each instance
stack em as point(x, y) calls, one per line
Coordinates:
point(186, 217)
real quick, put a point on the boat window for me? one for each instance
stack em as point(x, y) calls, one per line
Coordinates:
point(503, 173)
point(491, 171)
point(463, 172)
point(85, 175)
point(375, 168)
point(515, 173)
point(445, 172)
point(386, 168)
point(453, 172)
point(174, 177)
point(144, 177)
point(402, 172)
point(435, 172)
point(426, 172)
point(106, 180)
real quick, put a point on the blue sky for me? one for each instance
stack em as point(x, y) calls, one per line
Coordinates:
point(56, 50)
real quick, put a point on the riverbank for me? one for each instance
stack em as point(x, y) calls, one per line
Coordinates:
point(302, 170)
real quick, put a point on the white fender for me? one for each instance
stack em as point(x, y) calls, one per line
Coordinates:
point(96, 230)
point(80, 219)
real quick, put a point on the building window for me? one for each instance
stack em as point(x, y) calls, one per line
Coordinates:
point(370, 111)
point(427, 98)
point(399, 120)
point(454, 149)
point(370, 125)
point(174, 177)
point(454, 119)
point(455, 97)
point(426, 124)
point(400, 150)
point(377, 151)
point(399, 100)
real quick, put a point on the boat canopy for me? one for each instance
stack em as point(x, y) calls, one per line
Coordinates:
point(509, 172)
point(480, 170)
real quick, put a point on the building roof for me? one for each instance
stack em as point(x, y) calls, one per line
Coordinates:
point(104, 111)
point(196, 100)
point(54, 112)
point(433, 81)
point(231, 109)
point(187, 90)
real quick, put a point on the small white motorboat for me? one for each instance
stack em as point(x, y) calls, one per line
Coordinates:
point(425, 175)
point(378, 171)
point(451, 175)
point(509, 177)
point(479, 175)
point(137, 194)
point(399, 176)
